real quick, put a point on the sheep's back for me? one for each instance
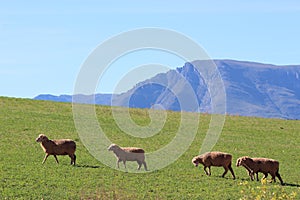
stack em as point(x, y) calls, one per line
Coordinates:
point(133, 150)
point(134, 154)
point(218, 158)
point(267, 164)
point(65, 146)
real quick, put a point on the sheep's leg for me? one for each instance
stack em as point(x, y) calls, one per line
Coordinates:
point(124, 162)
point(231, 170)
point(56, 159)
point(209, 171)
point(225, 172)
point(145, 166)
point(45, 158)
point(73, 158)
point(266, 175)
point(251, 174)
point(118, 161)
point(273, 178)
point(279, 177)
point(257, 176)
point(140, 165)
point(206, 171)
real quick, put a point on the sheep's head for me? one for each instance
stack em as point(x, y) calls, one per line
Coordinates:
point(238, 162)
point(112, 147)
point(196, 161)
point(41, 138)
point(241, 161)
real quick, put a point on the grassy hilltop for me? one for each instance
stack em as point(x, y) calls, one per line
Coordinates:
point(22, 175)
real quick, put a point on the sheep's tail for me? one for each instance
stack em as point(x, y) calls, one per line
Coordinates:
point(74, 145)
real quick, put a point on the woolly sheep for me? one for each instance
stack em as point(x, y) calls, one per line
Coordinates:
point(218, 159)
point(129, 154)
point(263, 165)
point(57, 147)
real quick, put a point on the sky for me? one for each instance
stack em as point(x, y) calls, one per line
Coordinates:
point(44, 44)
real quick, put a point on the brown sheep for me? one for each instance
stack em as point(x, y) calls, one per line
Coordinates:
point(218, 159)
point(57, 147)
point(129, 154)
point(263, 165)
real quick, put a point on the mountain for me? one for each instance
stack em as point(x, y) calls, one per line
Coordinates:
point(252, 89)
point(255, 89)
point(174, 90)
point(49, 97)
point(101, 99)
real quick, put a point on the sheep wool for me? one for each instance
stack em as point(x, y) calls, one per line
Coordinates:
point(263, 165)
point(57, 147)
point(124, 154)
point(215, 158)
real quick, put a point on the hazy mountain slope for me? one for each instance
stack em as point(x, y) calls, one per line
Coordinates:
point(252, 89)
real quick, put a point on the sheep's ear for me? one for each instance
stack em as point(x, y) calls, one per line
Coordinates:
point(44, 137)
point(112, 145)
point(247, 158)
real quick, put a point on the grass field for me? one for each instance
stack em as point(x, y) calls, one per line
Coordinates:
point(22, 175)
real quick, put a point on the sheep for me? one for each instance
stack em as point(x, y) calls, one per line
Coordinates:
point(263, 165)
point(218, 159)
point(129, 154)
point(57, 147)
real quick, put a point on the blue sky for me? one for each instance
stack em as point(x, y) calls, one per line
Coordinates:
point(44, 43)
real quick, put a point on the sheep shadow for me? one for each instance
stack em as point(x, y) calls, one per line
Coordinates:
point(87, 166)
point(284, 184)
point(291, 184)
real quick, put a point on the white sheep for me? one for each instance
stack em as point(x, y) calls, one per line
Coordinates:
point(129, 154)
point(57, 147)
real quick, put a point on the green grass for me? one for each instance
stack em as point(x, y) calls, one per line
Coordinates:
point(22, 175)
